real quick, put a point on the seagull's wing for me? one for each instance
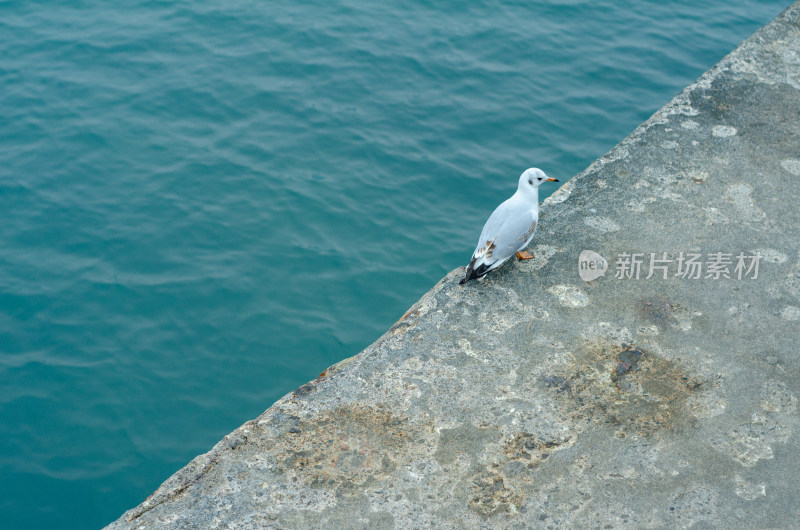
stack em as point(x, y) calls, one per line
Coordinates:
point(509, 229)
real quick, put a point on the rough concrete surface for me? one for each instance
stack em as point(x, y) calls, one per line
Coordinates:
point(535, 399)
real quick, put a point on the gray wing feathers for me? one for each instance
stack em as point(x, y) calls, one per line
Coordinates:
point(509, 227)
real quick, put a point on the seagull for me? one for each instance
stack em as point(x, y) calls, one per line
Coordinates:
point(510, 228)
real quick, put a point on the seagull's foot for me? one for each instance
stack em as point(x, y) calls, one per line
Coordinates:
point(524, 255)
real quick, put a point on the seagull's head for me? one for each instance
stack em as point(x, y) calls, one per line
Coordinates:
point(533, 178)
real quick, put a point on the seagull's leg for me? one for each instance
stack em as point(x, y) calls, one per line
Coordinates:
point(524, 255)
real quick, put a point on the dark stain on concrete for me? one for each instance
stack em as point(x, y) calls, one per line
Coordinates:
point(348, 447)
point(657, 310)
point(490, 495)
point(633, 390)
point(530, 449)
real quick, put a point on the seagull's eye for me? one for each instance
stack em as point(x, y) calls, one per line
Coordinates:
point(540, 178)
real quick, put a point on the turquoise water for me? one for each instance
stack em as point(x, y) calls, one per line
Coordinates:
point(205, 204)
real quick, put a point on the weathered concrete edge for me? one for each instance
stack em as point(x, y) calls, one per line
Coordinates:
point(738, 61)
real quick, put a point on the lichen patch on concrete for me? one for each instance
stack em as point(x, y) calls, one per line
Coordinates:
point(723, 131)
point(792, 165)
point(569, 296)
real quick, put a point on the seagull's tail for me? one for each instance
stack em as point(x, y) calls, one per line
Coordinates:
point(468, 275)
point(474, 273)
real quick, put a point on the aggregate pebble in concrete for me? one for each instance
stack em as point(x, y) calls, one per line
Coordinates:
point(535, 399)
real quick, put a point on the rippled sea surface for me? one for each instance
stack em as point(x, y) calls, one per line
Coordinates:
point(204, 204)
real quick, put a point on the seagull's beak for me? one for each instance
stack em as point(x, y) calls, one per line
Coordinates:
point(551, 180)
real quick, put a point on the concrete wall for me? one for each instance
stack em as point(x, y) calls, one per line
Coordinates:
point(535, 398)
